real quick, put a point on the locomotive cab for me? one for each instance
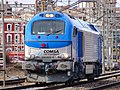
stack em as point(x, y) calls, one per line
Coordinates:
point(48, 47)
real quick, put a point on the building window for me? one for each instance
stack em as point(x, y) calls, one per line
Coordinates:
point(9, 27)
point(17, 38)
point(17, 27)
point(9, 11)
point(22, 49)
point(9, 49)
point(16, 49)
point(22, 38)
point(9, 38)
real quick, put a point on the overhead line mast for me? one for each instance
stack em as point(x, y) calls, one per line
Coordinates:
point(3, 42)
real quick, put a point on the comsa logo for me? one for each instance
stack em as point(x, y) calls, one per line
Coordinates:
point(53, 52)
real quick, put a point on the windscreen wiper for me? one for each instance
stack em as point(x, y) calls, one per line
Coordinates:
point(54, 32)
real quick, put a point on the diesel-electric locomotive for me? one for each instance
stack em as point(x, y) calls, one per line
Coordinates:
point(60, 48)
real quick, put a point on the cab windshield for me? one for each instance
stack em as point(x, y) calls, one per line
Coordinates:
point(48, 27)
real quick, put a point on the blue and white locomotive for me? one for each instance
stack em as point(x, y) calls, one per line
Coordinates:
point(60, 48)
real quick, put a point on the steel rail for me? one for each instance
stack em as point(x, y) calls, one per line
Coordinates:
point(29, 86)
point(117, 71)
point(77, 83)
point(8, 82)
point(52, 86)
point(105, 86)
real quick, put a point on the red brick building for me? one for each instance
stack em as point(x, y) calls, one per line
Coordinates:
point(15, 18)
point(14, 38)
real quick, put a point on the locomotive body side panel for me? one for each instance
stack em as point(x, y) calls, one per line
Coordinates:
point(91, 47)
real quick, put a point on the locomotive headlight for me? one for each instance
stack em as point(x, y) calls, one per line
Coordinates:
point(64, 56)
point(49, 15)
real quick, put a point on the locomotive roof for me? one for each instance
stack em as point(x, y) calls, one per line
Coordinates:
point(82, 25)
point(85, 26)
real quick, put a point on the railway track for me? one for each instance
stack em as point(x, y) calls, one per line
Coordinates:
point(84, 82)
point(105, 86)
point(51, 86)
point(113, 72)
point(29, 86)
point(15, 81)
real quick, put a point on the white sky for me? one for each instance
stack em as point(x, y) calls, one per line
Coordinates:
point(33, 1)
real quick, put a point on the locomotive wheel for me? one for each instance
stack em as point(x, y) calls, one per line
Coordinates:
point(90, 77)
point(76, 70)
point(70, 81)
point(67, 83)
point(36, 83)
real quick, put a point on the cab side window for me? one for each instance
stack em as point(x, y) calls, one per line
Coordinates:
point(75, 32)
